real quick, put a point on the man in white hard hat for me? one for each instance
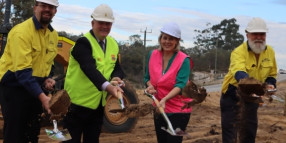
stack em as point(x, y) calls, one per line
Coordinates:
point(252, 58)
point(25, 70)
point(93, 63)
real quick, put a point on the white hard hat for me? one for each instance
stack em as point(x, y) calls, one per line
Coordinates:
point(172, 29)
point(256, 25)
point(51, 2)
point(103, 13)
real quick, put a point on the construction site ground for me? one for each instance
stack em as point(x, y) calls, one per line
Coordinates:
point(204, 125)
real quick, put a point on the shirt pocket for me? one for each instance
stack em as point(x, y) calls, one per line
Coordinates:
point(36, 51)
point(51, 53)
point(250, 68)
point(265, 69)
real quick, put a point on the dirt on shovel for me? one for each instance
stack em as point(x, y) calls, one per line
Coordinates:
point(135, 110)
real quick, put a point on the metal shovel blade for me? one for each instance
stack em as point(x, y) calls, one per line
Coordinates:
point(58, 135)
point(170, 129)
point(178, 132)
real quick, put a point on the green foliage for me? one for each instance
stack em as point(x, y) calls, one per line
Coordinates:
point(132, 58)
point(209, 44)
point(70, 36)
point(22, 10)
point(2, 11)
point(215, 42)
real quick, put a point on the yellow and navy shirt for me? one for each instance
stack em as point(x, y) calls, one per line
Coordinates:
point(243, 64)
point(28, 56)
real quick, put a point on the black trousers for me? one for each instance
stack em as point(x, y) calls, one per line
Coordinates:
point(84, 121)
point(178, 120)
point(230, 122)
point(21, 112)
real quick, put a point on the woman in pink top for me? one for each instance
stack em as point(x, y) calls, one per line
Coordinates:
point(167, 73)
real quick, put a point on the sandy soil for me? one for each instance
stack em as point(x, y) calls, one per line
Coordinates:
point(204, 125)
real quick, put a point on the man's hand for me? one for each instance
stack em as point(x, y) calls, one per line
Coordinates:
point(116, 81)
point(45, 102)
point(113, 90)
point(49, 84)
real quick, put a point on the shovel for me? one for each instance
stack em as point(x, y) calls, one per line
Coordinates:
point(170, 129)
point(58, 135)
point(120, 99)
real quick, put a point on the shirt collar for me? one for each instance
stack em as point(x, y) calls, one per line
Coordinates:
point(39, 26)
point(96, 37)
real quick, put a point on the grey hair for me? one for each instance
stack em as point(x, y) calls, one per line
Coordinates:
point(177, 46)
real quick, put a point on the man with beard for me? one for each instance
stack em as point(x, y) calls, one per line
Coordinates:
point(252, 58)
point(25, 70)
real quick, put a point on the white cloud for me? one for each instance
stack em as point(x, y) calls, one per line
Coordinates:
point(76, 20)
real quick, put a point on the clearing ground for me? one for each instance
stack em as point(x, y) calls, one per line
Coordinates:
point(204, 125)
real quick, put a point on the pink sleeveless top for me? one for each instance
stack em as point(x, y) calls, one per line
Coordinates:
point(165, 83)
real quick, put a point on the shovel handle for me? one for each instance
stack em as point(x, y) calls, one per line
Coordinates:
point(119, 94)
point(120, 98)
point(161, 109)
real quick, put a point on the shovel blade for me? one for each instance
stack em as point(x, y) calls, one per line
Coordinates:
point(58, 136)
point(177, 132)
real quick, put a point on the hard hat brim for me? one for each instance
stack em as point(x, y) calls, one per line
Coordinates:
point(257, 31)
point(104, 19)
point(171, 34)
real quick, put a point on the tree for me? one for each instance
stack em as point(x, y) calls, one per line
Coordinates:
point(132, 58)
point(210, 45)
point(22, 10)
point(229, 29)
point(207, 38)
point(70, 36)
point(2, 11)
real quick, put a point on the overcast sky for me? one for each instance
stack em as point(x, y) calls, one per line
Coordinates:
point(134, 16)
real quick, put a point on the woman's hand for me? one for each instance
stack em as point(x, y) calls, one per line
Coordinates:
point(163, 103)
point(151, 90)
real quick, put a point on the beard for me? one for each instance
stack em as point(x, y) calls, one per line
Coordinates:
point(45, 20)
point(257, 46)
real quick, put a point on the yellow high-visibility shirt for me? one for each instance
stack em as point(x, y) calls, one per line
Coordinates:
point(243, 59)
point(29, 48)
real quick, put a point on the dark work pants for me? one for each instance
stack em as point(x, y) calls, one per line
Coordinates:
point(230, 122)
point(21, 112)
point(178, 120)
point(84, 121)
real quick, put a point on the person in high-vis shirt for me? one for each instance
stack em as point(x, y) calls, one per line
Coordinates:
point(93, 63)
point(25, 69)
point(167, 73)
point(252, 58)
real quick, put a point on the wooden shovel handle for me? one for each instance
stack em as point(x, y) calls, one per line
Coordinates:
point(161, 109)
point(119, 94)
